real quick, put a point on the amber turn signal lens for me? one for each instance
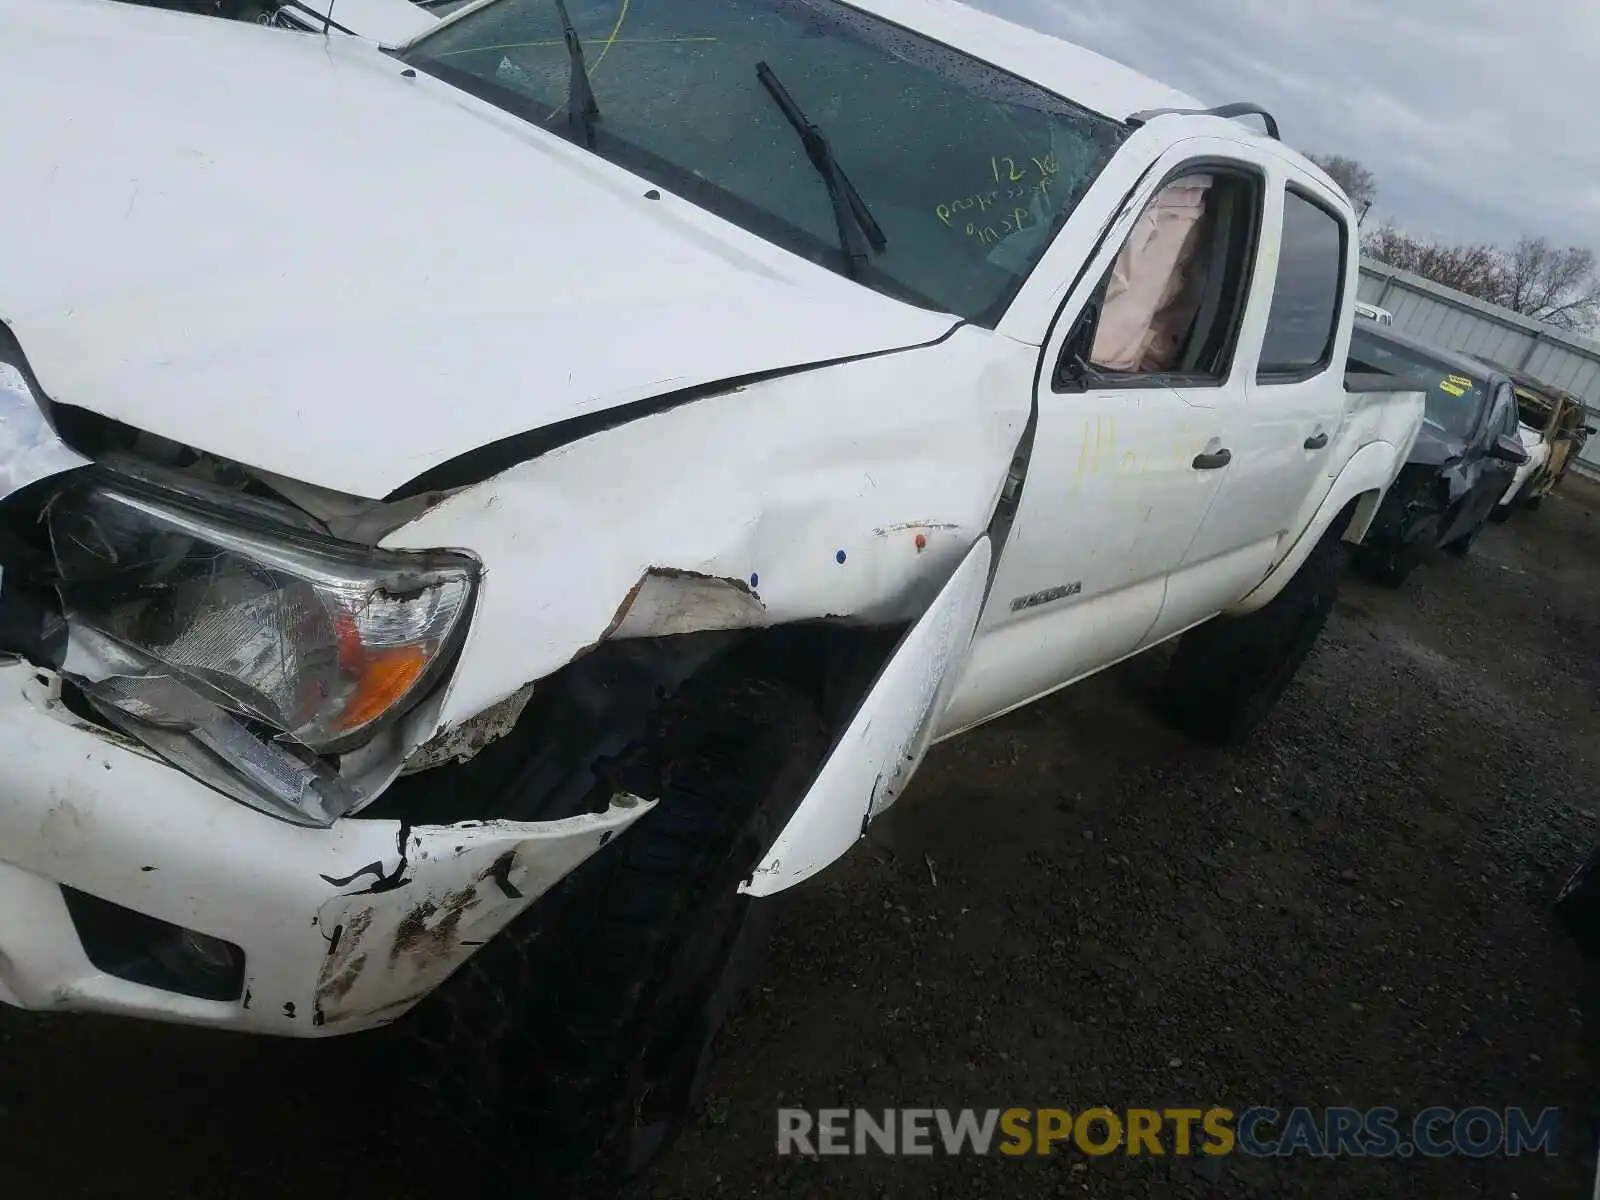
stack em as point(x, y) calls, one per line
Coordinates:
point(385, 677)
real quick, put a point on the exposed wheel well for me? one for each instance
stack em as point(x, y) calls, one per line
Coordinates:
point(577, 740)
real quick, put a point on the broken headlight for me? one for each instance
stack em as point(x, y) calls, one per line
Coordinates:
point(309, 643)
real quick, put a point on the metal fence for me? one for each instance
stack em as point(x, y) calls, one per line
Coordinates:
point(1448, 318)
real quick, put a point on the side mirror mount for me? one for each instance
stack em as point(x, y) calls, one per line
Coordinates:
point(1508, 449)
point(1075, 373)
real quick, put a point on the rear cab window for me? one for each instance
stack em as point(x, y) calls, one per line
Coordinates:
point(1306, 293)
point(968, 170)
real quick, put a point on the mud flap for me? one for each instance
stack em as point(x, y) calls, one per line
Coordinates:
point(884, 743)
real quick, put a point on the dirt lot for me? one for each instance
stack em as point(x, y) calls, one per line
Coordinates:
point(1354, 911)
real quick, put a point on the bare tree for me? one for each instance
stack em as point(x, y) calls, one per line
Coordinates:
point(1475, 270)
point(1559, 287)
point(1358, 182)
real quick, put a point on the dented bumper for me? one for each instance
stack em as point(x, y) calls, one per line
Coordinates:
point(335, 930)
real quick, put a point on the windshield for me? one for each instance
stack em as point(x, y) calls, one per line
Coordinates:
point(968, 170)
point(1454, 399)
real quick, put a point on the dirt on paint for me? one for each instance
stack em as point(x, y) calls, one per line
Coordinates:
point(1071, 907)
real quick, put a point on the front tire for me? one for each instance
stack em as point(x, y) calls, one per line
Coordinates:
point(581, 1037)
point(1228, 673)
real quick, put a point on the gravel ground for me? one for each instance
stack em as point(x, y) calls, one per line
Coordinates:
point(1074, 906)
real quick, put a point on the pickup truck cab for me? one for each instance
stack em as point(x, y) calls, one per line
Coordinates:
point(481, 592)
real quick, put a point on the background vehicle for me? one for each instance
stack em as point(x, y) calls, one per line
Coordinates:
point(1527, 475)
point(1556, 421)
point(522, 609)
point(1371, 312)
point(1464, 459)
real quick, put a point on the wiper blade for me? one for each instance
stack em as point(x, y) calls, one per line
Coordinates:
point(849, 209)
point(582, 111)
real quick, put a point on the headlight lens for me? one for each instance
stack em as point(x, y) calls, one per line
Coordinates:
point(323, 642)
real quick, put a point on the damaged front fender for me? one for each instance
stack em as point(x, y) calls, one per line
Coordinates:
point(850, 493)
point(882, 747)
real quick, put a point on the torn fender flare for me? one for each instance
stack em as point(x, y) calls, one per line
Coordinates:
point(392, 942)
point(883, 745)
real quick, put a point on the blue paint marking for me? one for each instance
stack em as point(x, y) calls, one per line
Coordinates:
point(839, 557)
point(755, 580)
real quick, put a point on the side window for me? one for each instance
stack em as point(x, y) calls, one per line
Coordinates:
point(1306, 294)
point(1172, 301)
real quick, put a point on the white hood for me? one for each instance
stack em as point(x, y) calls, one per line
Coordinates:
point(274, 247)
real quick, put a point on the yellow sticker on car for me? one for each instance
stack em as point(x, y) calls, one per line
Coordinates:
point(1451, 386)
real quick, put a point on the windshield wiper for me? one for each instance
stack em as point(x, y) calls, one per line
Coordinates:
point(582, 111)
point(849, 209)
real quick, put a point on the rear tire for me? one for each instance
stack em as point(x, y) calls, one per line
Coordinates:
point(580, 1039)
point(1228, 673)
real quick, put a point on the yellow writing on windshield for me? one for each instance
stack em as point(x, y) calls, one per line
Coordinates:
point(987, 235)
point(1016, 179)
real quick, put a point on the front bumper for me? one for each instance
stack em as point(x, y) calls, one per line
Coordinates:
point(341, 929)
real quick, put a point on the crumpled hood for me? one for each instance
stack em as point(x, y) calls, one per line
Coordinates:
point(275, 247)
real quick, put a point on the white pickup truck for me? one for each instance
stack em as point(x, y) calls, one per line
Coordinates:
point(492, 514)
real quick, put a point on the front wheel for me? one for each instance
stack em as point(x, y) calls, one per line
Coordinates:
point(582, 1035)
point(1228, 673)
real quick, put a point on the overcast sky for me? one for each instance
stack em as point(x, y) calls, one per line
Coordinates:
point(1480, 118)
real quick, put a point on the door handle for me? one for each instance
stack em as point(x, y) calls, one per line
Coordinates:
point(1214, 461)
point(1317, 440)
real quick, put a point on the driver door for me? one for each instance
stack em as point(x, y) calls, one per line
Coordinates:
point(1139, 381)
